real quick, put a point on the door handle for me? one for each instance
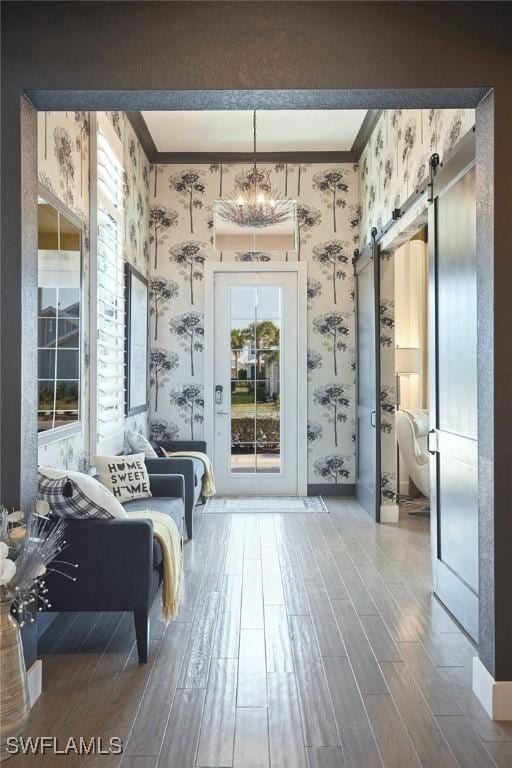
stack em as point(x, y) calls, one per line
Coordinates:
point(373, 415)
point(430, 440)
point(222, 413)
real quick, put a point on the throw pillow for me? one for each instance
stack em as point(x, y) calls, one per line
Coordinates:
point(77, 495)
point(140, 444)
point(126, 476)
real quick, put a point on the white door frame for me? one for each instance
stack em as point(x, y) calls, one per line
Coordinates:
point(300, 269)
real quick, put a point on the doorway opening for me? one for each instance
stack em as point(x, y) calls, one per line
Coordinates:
point(428, 374)
point(164, 226)
point(411, 375)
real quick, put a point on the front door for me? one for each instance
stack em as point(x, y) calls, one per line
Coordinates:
point(453, 393)
point(255, 388)
point(368, 370)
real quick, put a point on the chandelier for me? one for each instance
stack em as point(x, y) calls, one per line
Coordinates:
point(256, 204)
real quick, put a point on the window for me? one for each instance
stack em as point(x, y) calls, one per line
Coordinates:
point(109, 315)
point(256, 318)
point(59, 318)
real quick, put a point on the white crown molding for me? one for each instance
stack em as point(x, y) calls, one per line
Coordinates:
point(494, 696)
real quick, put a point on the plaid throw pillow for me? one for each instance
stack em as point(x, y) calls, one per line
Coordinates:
point(78, 497)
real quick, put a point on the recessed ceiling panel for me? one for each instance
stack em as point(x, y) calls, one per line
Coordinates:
point(205, 131)
point(277, 130)
point(327, 130)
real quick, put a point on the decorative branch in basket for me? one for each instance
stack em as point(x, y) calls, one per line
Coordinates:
point(28, 550)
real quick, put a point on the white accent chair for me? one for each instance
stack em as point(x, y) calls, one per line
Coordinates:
point(412, 434)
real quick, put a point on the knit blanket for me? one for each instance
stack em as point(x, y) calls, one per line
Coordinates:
point(208, 488)
point(166, 531)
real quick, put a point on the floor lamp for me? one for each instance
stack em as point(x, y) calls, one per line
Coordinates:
point(407, 363)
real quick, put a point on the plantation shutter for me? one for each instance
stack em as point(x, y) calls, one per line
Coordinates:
point(110, 291)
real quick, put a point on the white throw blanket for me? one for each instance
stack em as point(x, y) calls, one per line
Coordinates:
point(166, 531)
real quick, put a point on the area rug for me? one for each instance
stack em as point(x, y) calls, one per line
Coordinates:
point(260, 504)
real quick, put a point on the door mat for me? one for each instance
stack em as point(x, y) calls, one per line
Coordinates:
point(264, 504)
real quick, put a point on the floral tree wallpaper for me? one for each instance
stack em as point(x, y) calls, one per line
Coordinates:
point(396, 159)
point(169, 237)
point(63, 168)
point(393, 164)
point(388, 480)
point(181, 241)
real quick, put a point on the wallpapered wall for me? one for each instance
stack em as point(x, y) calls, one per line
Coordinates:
point(396, 159)
point(63, 166)
point(168, 224)
point(388, 481)
point(394, 162)
point(181, 201)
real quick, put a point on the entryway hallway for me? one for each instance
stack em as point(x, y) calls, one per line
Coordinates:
point(304, 641)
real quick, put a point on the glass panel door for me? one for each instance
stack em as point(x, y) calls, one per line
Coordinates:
point(255, 326)
point(255, 359)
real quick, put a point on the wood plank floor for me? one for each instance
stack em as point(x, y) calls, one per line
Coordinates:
point(304, 641)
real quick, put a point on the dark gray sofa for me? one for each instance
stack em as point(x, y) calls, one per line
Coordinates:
point(191, 469)
point(120, 563)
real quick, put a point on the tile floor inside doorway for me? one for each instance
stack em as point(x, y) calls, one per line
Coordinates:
point(304, 641)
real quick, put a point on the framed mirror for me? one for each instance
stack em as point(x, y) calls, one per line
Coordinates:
point(59, 318)
point(137, 334)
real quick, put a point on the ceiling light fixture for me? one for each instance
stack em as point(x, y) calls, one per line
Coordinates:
point(255, 204)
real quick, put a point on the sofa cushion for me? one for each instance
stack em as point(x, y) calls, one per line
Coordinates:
point(75, 494)
point(171, 506)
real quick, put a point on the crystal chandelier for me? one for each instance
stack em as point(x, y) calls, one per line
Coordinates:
point(256, 204)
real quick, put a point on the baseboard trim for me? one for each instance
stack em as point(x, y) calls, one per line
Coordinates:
point(35, 681)
point(494, 695)
point(389, 513)
point(331, 489)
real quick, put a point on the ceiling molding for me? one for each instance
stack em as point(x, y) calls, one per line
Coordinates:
point(183, 158)
point(363, 135)
point(141, 129)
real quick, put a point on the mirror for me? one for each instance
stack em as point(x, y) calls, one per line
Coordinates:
point(137, 341)
point(59, 317)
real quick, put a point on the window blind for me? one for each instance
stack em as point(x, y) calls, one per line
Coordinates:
point(110, 292)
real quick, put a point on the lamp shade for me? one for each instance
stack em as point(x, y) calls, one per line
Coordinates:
point(407, 360)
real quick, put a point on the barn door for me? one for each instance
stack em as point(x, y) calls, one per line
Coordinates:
point(453, 439)
point(367, 297)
